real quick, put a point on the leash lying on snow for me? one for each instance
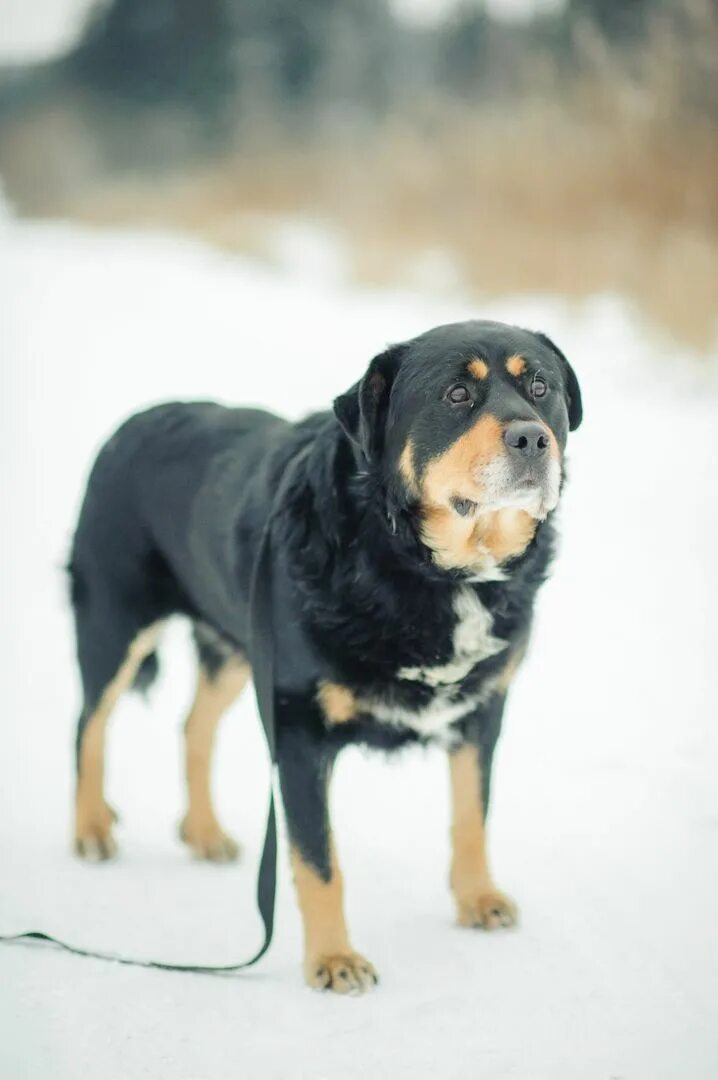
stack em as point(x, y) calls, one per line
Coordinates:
point(262, 658)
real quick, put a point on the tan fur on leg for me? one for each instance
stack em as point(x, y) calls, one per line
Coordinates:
point(478, 901)
point(93, 817)
point(330, 963)
point(200, 829)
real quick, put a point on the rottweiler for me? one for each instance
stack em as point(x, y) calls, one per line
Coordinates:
point(405, 559)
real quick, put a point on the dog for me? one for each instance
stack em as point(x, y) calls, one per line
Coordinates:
point(406, 554)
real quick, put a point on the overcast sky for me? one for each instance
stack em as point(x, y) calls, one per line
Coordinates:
point(34, 29)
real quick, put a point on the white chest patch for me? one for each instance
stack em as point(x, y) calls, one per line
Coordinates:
point(433, 721)
point(473, 641)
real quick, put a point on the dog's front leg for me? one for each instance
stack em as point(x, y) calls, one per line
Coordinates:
point(478, 901)
point(305, 763)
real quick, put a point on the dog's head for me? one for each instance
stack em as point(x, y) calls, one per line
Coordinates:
point(467, 425)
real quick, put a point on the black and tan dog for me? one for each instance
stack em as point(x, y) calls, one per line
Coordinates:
point(405, 559)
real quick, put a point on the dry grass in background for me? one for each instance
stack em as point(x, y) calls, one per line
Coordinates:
point(533, 202)
point(607, 184)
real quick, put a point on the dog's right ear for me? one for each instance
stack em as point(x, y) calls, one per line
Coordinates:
point(573, 390)
point(362, 410)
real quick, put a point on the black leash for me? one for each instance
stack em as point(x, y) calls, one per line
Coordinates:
point(262, 657)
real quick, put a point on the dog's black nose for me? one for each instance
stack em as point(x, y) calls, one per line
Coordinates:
point(526, 439)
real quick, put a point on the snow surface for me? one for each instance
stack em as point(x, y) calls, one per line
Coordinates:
point(605, 817)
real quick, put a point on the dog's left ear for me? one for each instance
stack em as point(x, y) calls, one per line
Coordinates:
point(573, 390)
point(362, 410)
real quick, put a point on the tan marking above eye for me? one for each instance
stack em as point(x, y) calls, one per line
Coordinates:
point(516, 366)
point(479, 368)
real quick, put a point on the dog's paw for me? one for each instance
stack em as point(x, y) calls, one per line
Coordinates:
point(207, 840)
point(93, 833)
point(490, 909)
point(344, 973)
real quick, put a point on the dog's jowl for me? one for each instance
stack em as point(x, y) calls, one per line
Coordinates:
point(405, 558)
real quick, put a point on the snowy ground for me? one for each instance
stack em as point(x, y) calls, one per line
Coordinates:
point(605, 820)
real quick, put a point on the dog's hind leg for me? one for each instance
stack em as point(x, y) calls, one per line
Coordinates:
point(110, 654)
point(223, 674)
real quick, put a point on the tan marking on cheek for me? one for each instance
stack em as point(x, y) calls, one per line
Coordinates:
point(337, 703)
point(460, 543)
point(553, 447)
point(504, 534)
point(467, 541)
point(454, 474)
point(455, 471)
point(450, 537)
point(516, 366)
point(478, 901)
point(479, 368)
point(407, 468)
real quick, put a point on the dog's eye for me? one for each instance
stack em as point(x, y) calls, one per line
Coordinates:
point(458, 394)
point(538, 387)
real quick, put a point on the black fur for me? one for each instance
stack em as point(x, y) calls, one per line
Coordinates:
point(176, 504)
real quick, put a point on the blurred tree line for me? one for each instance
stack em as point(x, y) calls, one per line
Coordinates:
point(157, 82)
point(222, 59)
point(217, 55)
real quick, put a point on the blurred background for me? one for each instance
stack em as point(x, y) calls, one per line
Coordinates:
point(246, 200)
point(554, 146)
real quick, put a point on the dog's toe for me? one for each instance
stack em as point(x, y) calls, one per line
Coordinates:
point(93, 833)
point(206, 840)
point(96, 847)
point(490, 910)
point(223, 849)
point(344, 973)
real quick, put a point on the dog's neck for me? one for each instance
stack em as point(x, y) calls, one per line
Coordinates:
point(400, 535)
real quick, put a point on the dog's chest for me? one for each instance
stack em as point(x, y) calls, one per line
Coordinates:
point(429, 697)
point(472, 641)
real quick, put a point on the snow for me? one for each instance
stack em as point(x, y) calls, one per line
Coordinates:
point(41, 29)
point(605, 817)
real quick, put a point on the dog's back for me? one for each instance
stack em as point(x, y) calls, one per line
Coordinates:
point(156, 533)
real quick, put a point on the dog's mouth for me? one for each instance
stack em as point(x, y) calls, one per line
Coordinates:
point(533, 480)
point(503, 484)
